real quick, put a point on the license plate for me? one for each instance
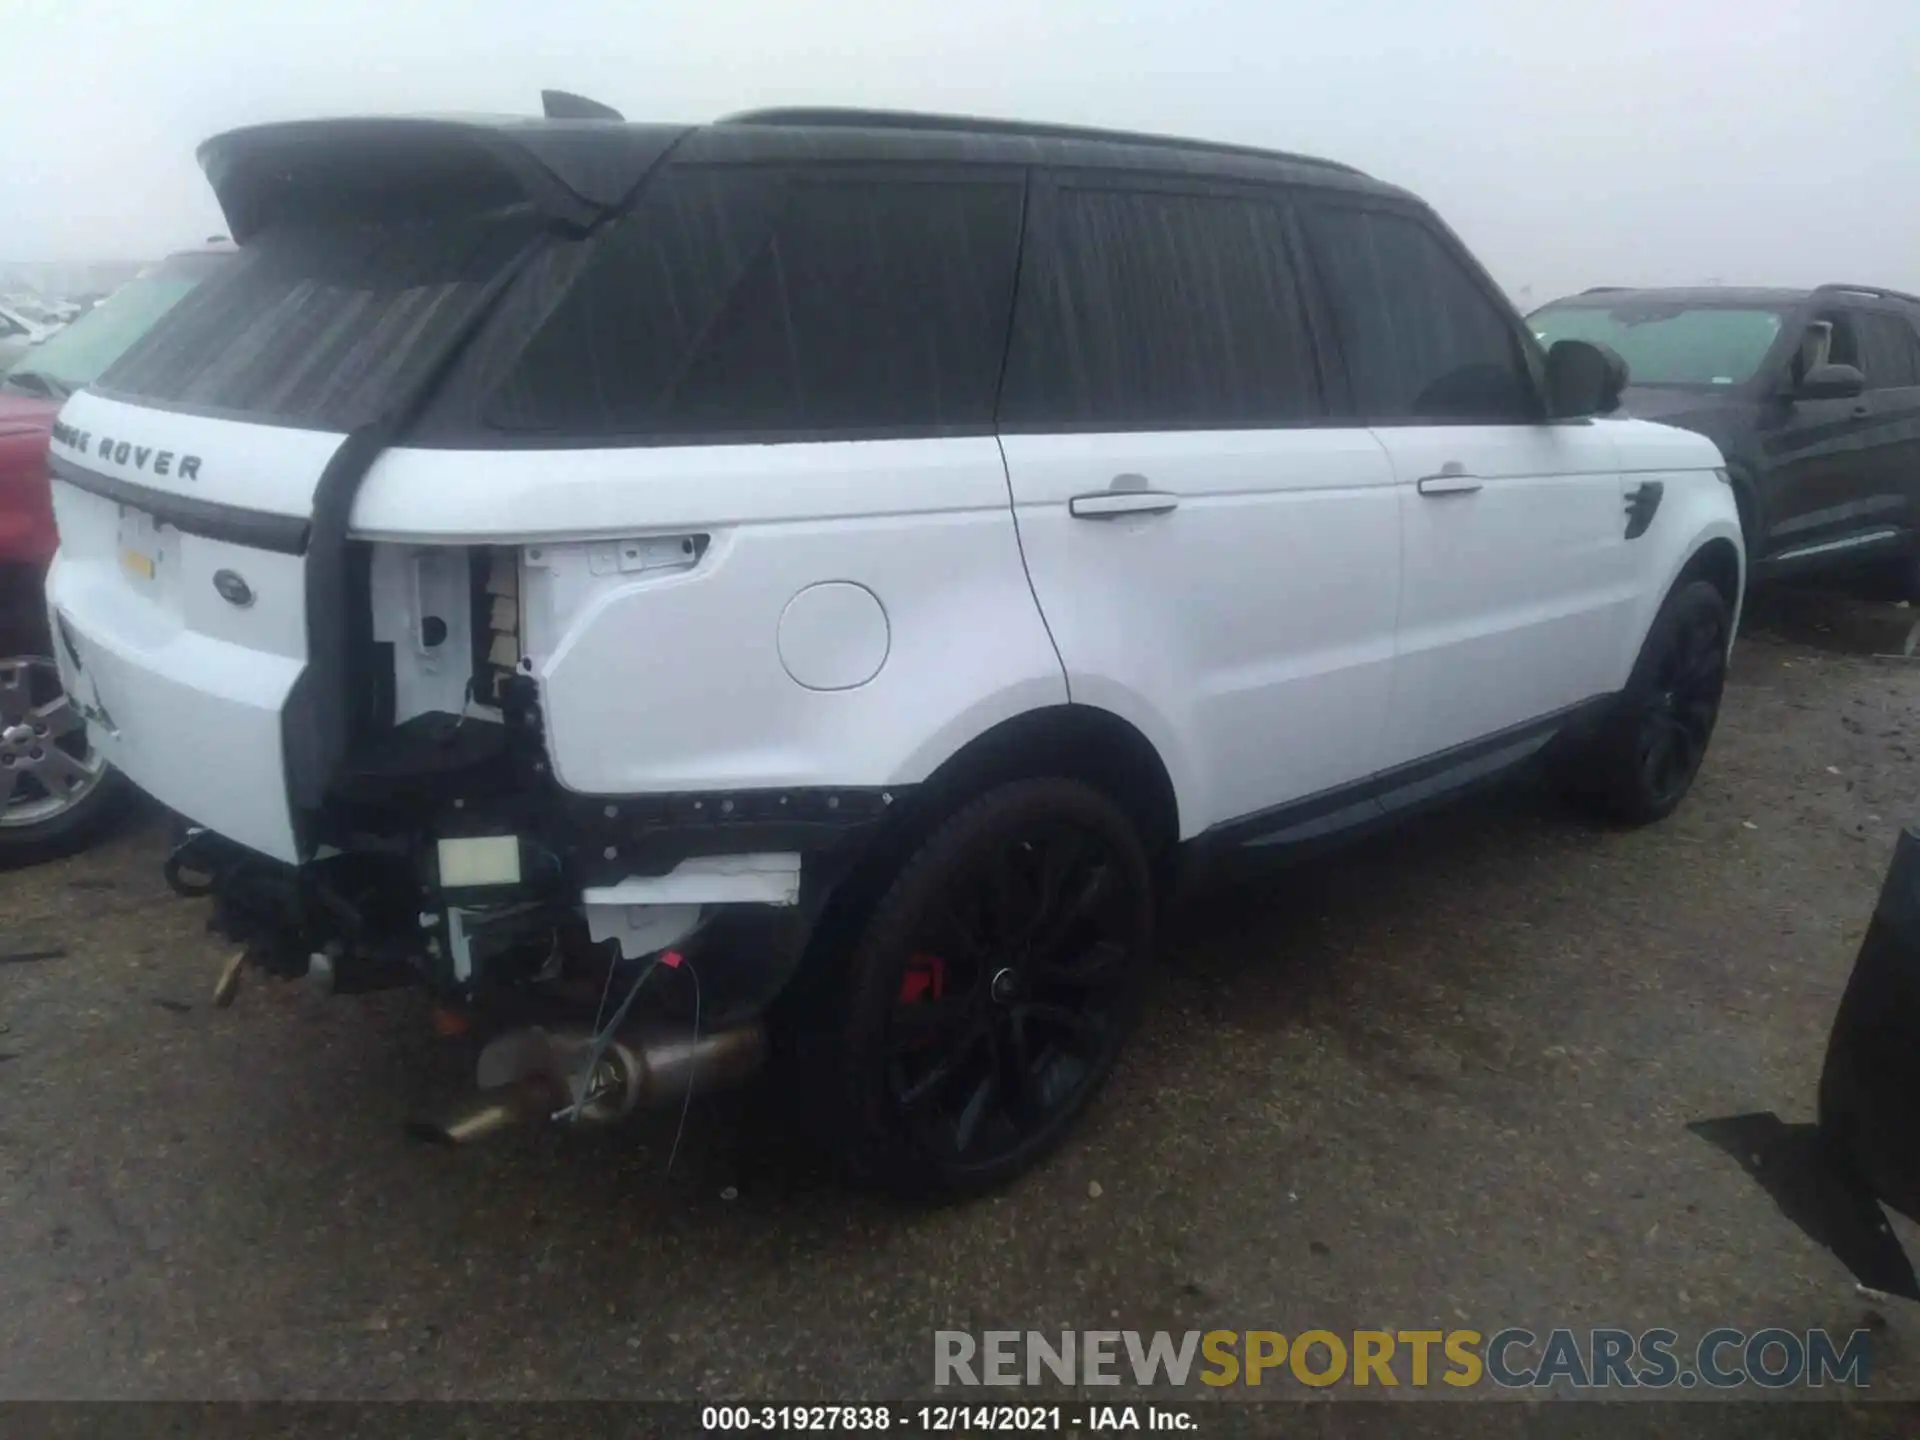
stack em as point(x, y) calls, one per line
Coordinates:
point(140, 545)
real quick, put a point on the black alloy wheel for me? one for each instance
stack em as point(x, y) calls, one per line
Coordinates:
point(994, 986)
point(1682, 704)
point(1644, 759)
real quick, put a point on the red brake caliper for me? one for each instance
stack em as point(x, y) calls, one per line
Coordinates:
point(925, 979)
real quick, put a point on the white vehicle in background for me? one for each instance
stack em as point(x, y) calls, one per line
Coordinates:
point(20, 330)
point(831, 572)
point(47, 314)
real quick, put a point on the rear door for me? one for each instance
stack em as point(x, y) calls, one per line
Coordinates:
point(185, 481)
point(1217, 561)
point(1516, 583)
point(1891, 353)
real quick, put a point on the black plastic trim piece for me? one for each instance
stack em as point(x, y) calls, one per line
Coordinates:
point(316, 722)
point(1643, 503)
point(565, 105)
point(609, 838)
point(255, 529)
point(573, 171)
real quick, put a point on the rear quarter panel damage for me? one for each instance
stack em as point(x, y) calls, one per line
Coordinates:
point(669, 676)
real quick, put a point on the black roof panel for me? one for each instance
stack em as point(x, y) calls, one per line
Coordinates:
point(910, 120)
point(854, 136)
point(577, 170)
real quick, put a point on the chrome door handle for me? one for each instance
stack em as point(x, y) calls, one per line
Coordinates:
point(1111, 504)
point(1452, 480)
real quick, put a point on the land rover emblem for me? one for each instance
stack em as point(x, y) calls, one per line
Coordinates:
point(233, 588)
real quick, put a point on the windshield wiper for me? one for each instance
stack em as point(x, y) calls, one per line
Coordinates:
point(32, 382)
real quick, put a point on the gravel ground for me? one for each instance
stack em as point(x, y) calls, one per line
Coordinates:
point(1441, 1081)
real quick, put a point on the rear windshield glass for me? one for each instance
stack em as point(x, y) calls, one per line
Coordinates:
point(1669, 344)
point(320, 326)
point(76, 355)
point(796, 301)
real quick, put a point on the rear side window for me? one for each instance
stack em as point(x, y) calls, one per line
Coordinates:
point(737, 300)
point(1887, 350)
point(1423, 340)
point(1153, 309)
point(321, 326)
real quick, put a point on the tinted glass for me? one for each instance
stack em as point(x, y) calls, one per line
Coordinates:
point(321, 325)
point(737, 300)
point(71, 358)
point(1422, 339)
point(1161, 309)
point(1886, 350)
point(1669, 344)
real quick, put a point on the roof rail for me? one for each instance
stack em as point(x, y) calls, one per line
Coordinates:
point(1878, 292)
point(966, 124)
point(1604, 289)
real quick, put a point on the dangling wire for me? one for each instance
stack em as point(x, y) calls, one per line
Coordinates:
point(686, 1102)
point(603, 1037)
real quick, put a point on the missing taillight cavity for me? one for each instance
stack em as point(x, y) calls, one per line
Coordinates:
point(495, 576)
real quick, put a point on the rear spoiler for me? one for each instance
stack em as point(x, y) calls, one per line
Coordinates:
point(572, 171)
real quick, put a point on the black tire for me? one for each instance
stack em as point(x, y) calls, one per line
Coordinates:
point(1643, 759)
point(996, 978)
point(39, 820)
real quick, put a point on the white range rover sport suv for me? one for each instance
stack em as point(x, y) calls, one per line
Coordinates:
point(805, 587)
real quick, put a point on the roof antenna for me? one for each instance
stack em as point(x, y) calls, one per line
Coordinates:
point(559, 105)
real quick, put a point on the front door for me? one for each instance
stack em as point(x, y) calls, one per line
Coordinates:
point(1217, 562)
point(1838, 482)
point(1516, 583)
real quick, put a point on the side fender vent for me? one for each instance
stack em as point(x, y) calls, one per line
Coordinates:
point(1642, 502)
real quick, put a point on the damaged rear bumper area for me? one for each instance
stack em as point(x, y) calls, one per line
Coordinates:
point(498, 899)
point(441, 849)
point(613, 954)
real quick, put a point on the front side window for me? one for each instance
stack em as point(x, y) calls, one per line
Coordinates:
point(1423, 341)
point(1161, 309)
point(1887, 350)
point(1669, 342)
point(737, 300)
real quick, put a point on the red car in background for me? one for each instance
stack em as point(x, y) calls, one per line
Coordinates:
point(55, 792)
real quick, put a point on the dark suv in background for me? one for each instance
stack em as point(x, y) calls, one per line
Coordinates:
point(1813, 396)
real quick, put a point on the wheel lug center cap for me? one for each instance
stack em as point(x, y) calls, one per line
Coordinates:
point(1004, 986)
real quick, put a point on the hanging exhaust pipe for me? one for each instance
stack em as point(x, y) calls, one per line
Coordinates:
point(492, 1113)
point(529, 1075)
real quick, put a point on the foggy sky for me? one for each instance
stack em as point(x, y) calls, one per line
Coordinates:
point(1625, 142)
